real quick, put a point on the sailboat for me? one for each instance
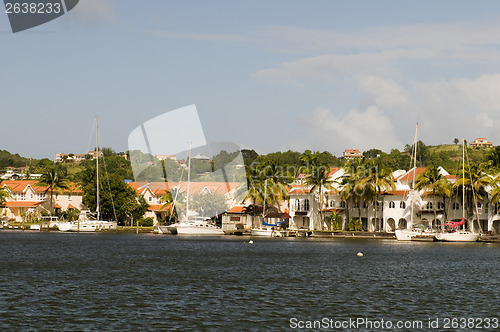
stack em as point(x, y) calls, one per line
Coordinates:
point(88, 225)
point(191, 225)
point(459, 235)
point(417, 232)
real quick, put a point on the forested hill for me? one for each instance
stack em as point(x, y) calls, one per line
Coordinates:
point(448, 156)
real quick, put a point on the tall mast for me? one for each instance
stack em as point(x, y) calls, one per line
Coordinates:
point(415, 140)
point(97, 162)
point(463, 181)
point(265, 196)
point(189, 179)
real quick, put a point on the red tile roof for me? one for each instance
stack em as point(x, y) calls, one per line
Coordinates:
point(19, 186)
point(22, 203)
point(161, 188)
point(408, 176)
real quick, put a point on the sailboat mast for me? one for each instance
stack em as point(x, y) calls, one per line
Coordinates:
point(463, 181)
point(97, 163)
point(415, 140)
point(189, 180)
point(265, 196)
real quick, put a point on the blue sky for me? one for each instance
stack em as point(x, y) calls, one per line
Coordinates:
point(268, 75)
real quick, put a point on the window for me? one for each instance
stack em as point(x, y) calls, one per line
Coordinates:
point(69, 197)
point(365, 205)
point(486, 206)
point(306, 205)
point(455, 206)
point(429, 206)
point(332, 203)
point(356, 205)
point(21, 197)
point(31, 196)
point(150, 199)
point(402, 205)
point(377, 204)
point(41, 196)
point(440, 206)
point(297, 205)
point(392, 205)
point(342, 204)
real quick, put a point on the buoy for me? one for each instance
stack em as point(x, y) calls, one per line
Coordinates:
point(360, 254)
point(251, 241)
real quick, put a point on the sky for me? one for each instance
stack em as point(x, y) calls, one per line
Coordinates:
point(268, 75)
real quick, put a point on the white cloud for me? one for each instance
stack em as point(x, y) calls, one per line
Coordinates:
point(384, 93)
point(355, 129)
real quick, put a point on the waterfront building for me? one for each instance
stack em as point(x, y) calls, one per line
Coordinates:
point(26, 198)
point(153, 193)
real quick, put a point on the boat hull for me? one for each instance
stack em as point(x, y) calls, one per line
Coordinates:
point(457, 237)
point(264, 231)
point(414, 235)
point(191, 228)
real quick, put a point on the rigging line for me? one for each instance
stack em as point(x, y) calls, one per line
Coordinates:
point(474, 198)
point(109, 186)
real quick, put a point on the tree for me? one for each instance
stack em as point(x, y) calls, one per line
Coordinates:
point(209, 204)
point(4, 194)
point(475, 182)
point(117, 198)
point(455, 140)
point(375, 181)
point(494, 156)
point(433, 181)
point(350, 191)
point(317, 177)
point(54, 178)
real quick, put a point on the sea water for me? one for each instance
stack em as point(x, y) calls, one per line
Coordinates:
point(140, 282)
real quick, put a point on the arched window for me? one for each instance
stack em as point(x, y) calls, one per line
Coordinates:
point(402, 205)
point(429, 206)
point(332, 203)
point(342, 204)
point(306, 205)
point(297, 205)
point(392, 205)
point(456, 206)
point(440, 206)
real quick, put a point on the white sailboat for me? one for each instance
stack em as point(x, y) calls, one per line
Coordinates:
point(265, 229)
point(459, 235)
point(191, 225)
point(414, 234)
point(87, 225)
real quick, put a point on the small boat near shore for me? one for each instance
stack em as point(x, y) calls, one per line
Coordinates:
point(192, 227)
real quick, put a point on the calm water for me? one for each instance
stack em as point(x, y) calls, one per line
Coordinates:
point(59, 281)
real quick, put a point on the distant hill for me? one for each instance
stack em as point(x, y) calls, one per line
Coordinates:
point(8, 159)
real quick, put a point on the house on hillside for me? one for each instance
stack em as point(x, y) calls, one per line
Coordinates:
point(350, 154)
point(481, 143)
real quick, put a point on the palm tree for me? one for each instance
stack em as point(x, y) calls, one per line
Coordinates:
point(435, 182)
point(55, 180)
point(375, 181)
point(475, 180)
point(350, 186)
point(168, 203)
point(317, 177)
point(4, 194)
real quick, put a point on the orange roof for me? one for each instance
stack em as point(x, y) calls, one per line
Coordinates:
point(157, 207)
point(299, 191)
point(408, 176)
point(22, 203)
point(161, 188)
point(236, 209)
point(334, 170)
point(57, 206)
point(21, 186)
point(71, 206)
